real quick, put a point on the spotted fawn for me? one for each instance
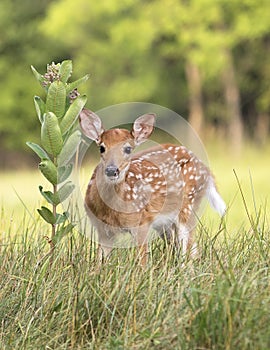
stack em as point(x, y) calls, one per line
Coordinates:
point(160, 188)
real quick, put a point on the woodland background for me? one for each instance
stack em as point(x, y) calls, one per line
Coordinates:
point(208, 60)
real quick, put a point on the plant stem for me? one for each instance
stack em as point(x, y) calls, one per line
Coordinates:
point(53, 227)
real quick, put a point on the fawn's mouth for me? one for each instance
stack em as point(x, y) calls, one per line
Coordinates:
point(113, 179)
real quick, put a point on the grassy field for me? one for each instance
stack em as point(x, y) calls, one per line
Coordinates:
point(220, 301)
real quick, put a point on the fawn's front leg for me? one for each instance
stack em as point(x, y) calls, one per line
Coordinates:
point(103, 253)
point(142, 245)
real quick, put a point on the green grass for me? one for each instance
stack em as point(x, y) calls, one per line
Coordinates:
point(220, 301)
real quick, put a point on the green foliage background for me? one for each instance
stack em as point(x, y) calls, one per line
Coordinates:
point(135, 51)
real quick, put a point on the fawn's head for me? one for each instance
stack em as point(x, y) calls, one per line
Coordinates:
point(116, 145)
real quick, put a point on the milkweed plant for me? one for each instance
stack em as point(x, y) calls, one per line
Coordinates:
point(60, 139)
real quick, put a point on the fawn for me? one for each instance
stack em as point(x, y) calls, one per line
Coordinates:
point(160, 188)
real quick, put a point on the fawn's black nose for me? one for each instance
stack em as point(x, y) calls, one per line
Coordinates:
point(112, 171)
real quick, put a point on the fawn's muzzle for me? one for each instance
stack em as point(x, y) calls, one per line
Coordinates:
point(112, 171)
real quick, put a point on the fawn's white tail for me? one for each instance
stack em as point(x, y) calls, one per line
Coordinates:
point(214, 198)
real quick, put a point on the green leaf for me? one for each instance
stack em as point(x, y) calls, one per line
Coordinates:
point(40, 78)
point(72, 113)
point(62, 232)
point(76, 83)
point(64, 172)
point(38, 150)
point(49, 196)
point(61, 218)
point(56, 99)
point(69, 148)
point(51, 137)
point(49, 170)
point(65, 191)
point(65, 70)
point(62, 194)
point(47, 215)
point(40, 107)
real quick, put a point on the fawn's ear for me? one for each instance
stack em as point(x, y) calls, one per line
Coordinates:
point(143, 127)
point(91, 125)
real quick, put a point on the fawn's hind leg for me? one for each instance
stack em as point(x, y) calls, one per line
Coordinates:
point(182, 238)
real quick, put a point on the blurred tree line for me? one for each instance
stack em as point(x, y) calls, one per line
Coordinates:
point(208, 60)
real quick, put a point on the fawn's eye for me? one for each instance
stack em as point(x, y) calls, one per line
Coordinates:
point(127, 149)
point(101, 149)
